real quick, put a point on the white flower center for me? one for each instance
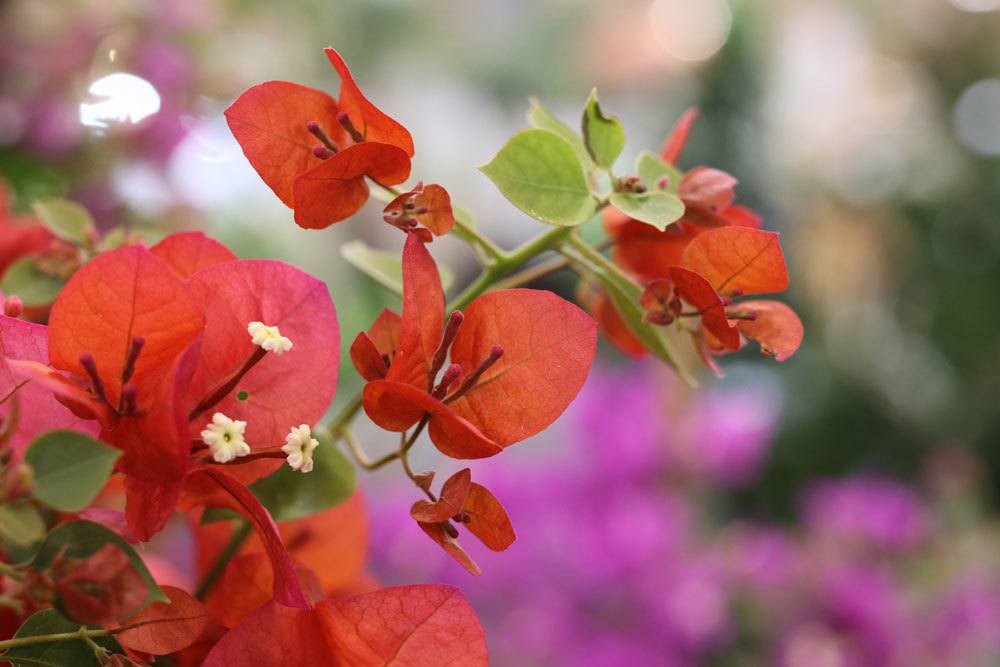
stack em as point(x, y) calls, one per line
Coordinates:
point(224, 437)
point(269, 338)
point(299, 446)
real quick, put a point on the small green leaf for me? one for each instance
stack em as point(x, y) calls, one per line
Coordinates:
point(539, 172)
point(658, 209)
point(81, 539)
point(540, 117)
point(288, 494)
point(69, 468)
point(651, 168)
point(34, 287)
point(115, 238)
point(21, 525)
point(385, 268)
point(67, 653)
point(603, 135)
point(66, 219)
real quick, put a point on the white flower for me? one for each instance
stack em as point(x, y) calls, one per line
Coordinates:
point(299, 447)
point(269, 338)
point(224, 437)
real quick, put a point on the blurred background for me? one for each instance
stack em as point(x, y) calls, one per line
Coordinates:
point(835, 510)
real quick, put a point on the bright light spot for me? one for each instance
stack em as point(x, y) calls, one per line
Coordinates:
point(127, 98)
point(690, 29)
point(976, 117)
point(977, 5)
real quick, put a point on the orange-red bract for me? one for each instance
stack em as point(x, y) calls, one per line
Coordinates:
point(453, 494)
point(487, 518)
point(738, 259)
point(610, 321)
point(165, 627)
point(372, 350)
point(695, 290)
point(428, 205)
point(336, 188)
point(369, 120)
point(546, 346)
point(406, 625)
point(100, 588)
point(189, 252)
point(674, 144)
point(247, 584)
point(775, 326)
point(113, 298)
point(271, 121)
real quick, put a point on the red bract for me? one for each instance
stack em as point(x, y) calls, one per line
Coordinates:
point(165, 627)
point(518, 358)
point(315, 152)
point(470, 505)
point(429, 206)
point(157, 340)
point(407, 625)
point(28, 408)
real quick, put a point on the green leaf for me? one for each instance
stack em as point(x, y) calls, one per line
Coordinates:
point(68, 653)
point(538, 172)
point(21, 525)
point(385, 268)
point(34, 287)
point(658, 209)
point(69, 468)
point(463, 217)
point(81, 539)
point(66, 219)
point(603, 135)
point(540, 117)
point(291, 495)
point(650, 168)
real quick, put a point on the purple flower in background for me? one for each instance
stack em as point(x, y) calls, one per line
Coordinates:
point(867, 510)
point(964, 624)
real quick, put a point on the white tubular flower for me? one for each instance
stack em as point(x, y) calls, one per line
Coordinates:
point(224, 437)
point(299, 445)
point(269, 338)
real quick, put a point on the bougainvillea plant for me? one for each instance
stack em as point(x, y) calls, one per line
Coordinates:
point(151, 387)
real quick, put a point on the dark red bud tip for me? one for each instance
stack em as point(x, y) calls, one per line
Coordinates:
point(129, 396)
point(640, 188)
point(451, 373)
point(88, 362)
point(409, 206)
point(312, 126)
point(343, 118)
point(422, 210)
point(456, 318)
point(138, 342)
point(13, 306)
point(322, 152)
point(495, 353)
point(663, 183)
point(451, 530)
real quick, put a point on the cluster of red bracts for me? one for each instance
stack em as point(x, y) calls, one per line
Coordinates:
point(518, 358)
point(712, 255)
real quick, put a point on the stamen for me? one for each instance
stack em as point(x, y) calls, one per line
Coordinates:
point(322, 152)
point(450, 331)
point(317, 131)
point(89, 364)
point(450, 375)
point(470, 380)
point(741, 315)
point(129, 404)
point(222, 390)
point(133, 354)
point(345, 122)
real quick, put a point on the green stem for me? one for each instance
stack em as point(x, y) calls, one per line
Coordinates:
point(508, 263)
point(359, 455)
point(343, 418)
point(81, 634)
point(592, 256)
point(222, 560)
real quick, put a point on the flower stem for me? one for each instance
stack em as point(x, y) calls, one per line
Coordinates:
point(81, 634)
point(359, 455)
point(222, 560)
